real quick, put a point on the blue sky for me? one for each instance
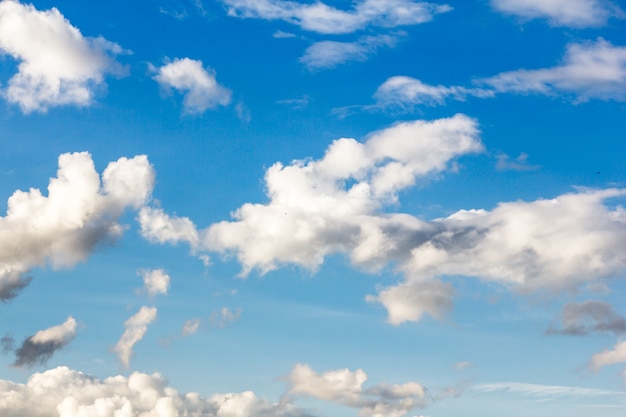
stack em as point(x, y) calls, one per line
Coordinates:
point(378, 208)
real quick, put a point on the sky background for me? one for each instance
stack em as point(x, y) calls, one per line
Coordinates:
point(377, 208)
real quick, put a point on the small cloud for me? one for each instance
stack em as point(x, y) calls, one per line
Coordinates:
point(135, 329)
point(279, 34)
point(296, 103)
point(39, 348)
point(190, 327)
point(329, 54)
point(242, 112)
point(580, 319)
point(463, 365)
point(202, 91)
point(156, 281)
point(505, 163)
point(224, 317)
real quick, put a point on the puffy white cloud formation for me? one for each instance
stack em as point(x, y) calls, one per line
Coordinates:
point(590, 316)
point(80, 212)
point(322, 18)
point(38, 348)
point(202, 91)
point(64, 392)
point(333, 204)
point(590, 70)
point(156, 281)
point(345, 387)
point(57, 65)
point(572, 13)
point(135, 329)
point(609, 357)
point(329, 54)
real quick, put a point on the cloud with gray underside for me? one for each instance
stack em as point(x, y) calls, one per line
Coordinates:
point(39, 348)
point(580, 319)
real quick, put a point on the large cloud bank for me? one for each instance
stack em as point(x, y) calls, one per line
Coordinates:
point(80, 212)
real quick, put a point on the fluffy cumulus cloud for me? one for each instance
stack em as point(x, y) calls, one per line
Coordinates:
point(580, 319)
point(345, 387)
point(80, 213)
point(329, 54)
point(38, 348)
point(572, 13)
point(590, 70)
point(322, 18)
point(57, 65)
point(333, 204)
point(156, 281)
point(201, 89)
point(65, 392)
point(135, 330)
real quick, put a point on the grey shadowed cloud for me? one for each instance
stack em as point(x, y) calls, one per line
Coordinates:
point(579, 319)
point(39, 348)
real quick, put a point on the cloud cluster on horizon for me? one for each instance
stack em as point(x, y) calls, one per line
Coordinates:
point(66, 392)
point(57, 65)
point(79, 215)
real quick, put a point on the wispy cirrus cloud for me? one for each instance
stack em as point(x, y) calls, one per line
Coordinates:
point(570, 13)
point(58, 66)
point(322, 18)
point(589, 70)
point(329, 54)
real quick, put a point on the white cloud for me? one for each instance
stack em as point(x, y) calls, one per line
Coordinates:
point(590, 70)
point(202, 91)
point(322, 18)
point(609, 357)
point(190, 327)
point(520, 163)
point(345, 387)
point(571, 13)
point(550, 391)
point(64, 392)
point(334, 204)
point(329, 54)
point(406, 92)
point(80, 213)
point(135, 329)
point(224, 317)
point(57, 65)
point(38, 348)
point(156, 281)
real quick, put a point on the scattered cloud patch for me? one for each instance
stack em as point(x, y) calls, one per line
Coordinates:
point(322, 18)
point(224, 317)
point(190, 327)
point(57, 65)
point(279, 34)
point(463, 365)
point(520, 163)
point(609, 357)
point(546, 391)
point(79, 214)
point(39, 348)
point(329, 54)
point(156, 281)
point(135, 329)
point(202, 91)
point(569, 13)
point(580, 319)
point(296, 103)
